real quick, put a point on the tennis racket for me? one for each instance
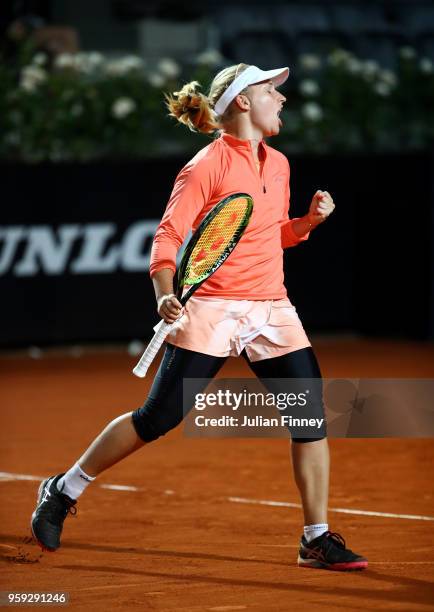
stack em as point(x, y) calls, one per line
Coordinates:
point(208, 248)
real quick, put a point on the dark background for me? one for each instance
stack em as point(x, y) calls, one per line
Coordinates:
point(367, 270)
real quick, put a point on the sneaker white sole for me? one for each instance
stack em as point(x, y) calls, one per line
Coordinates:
point(352, 566)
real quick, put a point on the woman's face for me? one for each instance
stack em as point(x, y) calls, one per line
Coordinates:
point(265, 106)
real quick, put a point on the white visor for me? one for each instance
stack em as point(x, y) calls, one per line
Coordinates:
point(249, 76)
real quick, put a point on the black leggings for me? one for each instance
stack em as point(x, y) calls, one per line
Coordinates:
point(163, 408)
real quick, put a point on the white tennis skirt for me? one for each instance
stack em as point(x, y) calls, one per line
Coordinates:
point(224, 327)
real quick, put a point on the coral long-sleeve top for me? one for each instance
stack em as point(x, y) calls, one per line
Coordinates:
point(254, 270)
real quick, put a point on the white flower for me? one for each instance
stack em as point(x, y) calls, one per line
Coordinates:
point(114, 68)
point(95, 58)
point(87, 62)
point(354, 65)
point(312, 111)
point(309, 88)
point(168, 67)
point(31, 77)
point(382, 89)
point(82, 63)
point(426, 65)
point(64, 60)
point(123, 107)
point(210, 57)
point(370, 69)
point(310, 61)
point(338, 57)
point(132, 62)
point(156, 79)
point(388, 77)
point(39, 59)
point(407, 52)
point(123, 65)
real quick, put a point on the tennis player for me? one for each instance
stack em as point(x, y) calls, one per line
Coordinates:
point(242, 309)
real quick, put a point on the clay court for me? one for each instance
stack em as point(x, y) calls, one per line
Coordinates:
point(193, 528)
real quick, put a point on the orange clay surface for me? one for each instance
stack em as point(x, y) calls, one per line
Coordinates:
point(178, 542)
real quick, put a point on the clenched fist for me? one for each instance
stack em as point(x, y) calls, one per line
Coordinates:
point(321, 207)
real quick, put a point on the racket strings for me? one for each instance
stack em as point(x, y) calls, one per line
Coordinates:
point(215, 240)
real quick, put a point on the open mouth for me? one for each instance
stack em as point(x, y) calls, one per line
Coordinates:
point(278, 117)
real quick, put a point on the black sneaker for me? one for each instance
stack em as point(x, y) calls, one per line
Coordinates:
point(51, 510)
point(328, 551)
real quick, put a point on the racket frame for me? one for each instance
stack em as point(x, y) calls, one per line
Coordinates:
point(196, 237)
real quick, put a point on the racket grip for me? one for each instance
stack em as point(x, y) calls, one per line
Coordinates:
point(152, 349)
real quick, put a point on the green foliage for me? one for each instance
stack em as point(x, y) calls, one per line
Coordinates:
point(343, 104)
point(87, 107)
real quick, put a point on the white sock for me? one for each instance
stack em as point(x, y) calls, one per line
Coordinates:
point(313, 531)
point(74, 482)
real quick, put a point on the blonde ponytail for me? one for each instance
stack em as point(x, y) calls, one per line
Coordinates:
point(195, 110)
point(192, 108)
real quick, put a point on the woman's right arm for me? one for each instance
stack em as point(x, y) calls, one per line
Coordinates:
point(192, 191)
point(167, 305)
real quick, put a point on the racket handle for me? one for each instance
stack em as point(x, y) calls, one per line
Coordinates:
point(153, 347)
